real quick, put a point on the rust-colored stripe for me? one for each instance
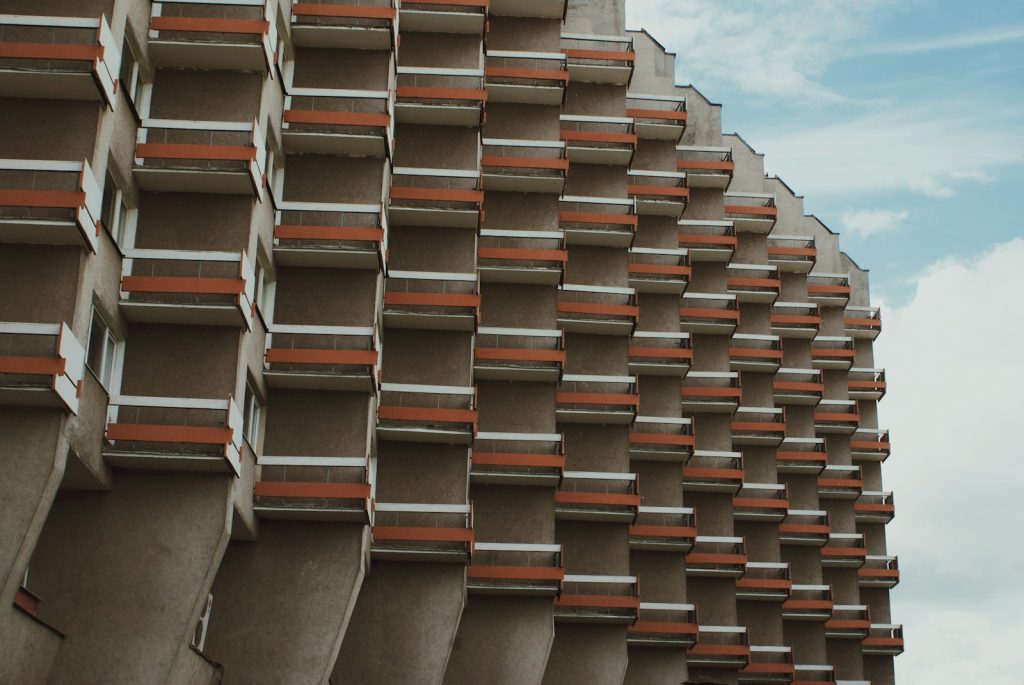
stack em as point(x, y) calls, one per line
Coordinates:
point(805, 528)
point(525, 163)
point(715, 558)
point(770, 668)
point(301, 356)
point(304, 116)
point(867, 385)
point(313, 490)
point(180, 284)
point(755, 211)
point(720, 650)
point(684, 165)
point(840, 483)
point(83, 53)
point(599, 54)
point(792, 386)
point(597, 398)
point(234, 153)
point(427, 414)
point(691, 239)
point(611, 499)
point(523, 253)
point(829, 289)
point(595, 308)
point(710, 392)
point(795, 319)
point(347, 11)
point(655, 190)
point(662, 628)
point(549, 461)
point(437, 194)
point(660, 353)
point(646, 531)
point(868, 445)
point(878, 573)
point(431, 299)
point(661, 439)
point(656, 114)
point(357, 233)
point(522, 72)
point(258, 26)
point(871, 507)
point(830, 416)
point(514, 572)
point(871, 323)
point(32, 366)
point(426, 93)
point(701, 313)
point(26, 601)
point(749, 352)
point(718, 474)
point(843, 552)
point(147, 432)
point(53, 199)
point(519, 354)
point(598, 218)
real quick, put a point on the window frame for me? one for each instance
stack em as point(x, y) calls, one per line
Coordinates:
point(252, 419)
point(121, 225)
point(111, 355)
point(132, 81)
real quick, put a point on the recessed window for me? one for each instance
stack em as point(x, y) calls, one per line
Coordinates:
point(114, 213)
point(130, 76)
point(251, 415)
point(264, 287)
point(102, 355)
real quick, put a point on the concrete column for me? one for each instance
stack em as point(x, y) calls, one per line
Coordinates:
point(657, 666)
point(592, 654)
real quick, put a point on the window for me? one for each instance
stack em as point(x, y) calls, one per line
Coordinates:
point(251, 415)
point(113, 212)
point(131, 76)
point(102, 354)
point(264, 291)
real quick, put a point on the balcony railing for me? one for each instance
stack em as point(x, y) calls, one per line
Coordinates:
point(529, 78)
point(213, 34)
point(849, 621)
point(517, 459)
point(431, 300)
point(181, 156)
point(597, 309)
point(662, 624)
point(758, 426)
point(40, 365)
point(187, 287)
point(828, 290)
point(753, 282)
point(320, 234)
point(709, 313)
point(597, 399)
point(821, 674)
point(801, 455)
point(658, 117)
point(338, 122)
point(598, 599)
point(795, 320)
point(654, 353)
point(663, 529)
point(659, 193)
point(720, 647)
point(769, 664)
point(444, 16)
point(874, 507)
point(500, 568)
point(605, 221)
point(597, 496)
point(322, 357)
point(760, 502)
point(832, 352)
point(440, 96)
point(172, 433)
point(427, 413)
point(711, 391)
point(765, 581)
point(435, 197)
point(713, 471)
point(705, 167)
point(862, 322)
point(658, 270)
point(805, 527)
point(751, 212)
point(524, 166)
point(535, 9)
point(346, 24)
point(840, 482)
point(707, 240)
point(798, 387)
point(836, 416)
point(792, 253)
point(512, 256)
point(756, 353)
point(64, 58)
point(518, 354)
point(661, 438)
point(844, 550)
point(314, 489)
point(866, 384)
point(870, 444)
point(879, 571)
point(883, 638)
point(66, 213)
point(808, 603)
point(422, 532)
point(599, 59)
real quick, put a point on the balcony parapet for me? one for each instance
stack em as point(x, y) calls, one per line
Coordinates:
point(707, 240)
point(862, 322)
point(310, 488)
point(844, 550)
point(67, 213)
point(436, 197)
point(758, 426)
point(658, 270)
point(661, 438)
point(663, 529)
point(423, 532)
point(765, 581)
point(321, 234)
point(427, 413)
point(659, 193)
point(444, 16)
point(874, 507)
point(661, 624)
point(836, 417)
point(801, 455)
point(501, 568)
point(602, 310)
point(769, 665)
point(583, 398)
point(808, 603)
point(840, 482)
point(237, 35)
point(713, 471)
point(832, 352)
point(598, 599)
point(599, 59)
point(849, 621)
point(805, 527)
point(518, 354)
point(711, 392)
point(870, 444)
point(440, 96)
point(751, 212)
point(513, 256)
point(658, 117)
point(322, 357)
point(760, 502)
point(866, 384)
point(795, 320)
point(827, 289)
point(705, 167)
point(531, 78)
point(597, 496)
point(524, 166)
point(591, 139)
point(432, 300)
point(879, 571)
point(517, 459)
point(40, 365)
point(604, 221)
point(792, 253)
point(884, 638)
point(755, 353)
point(709, 313)
point(657, 353)
point(802, 387)
point(720, 647)
point(339, 122)
point(757, 283)
point(344, 24)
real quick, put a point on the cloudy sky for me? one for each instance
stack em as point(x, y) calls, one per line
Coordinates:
point(902, 123)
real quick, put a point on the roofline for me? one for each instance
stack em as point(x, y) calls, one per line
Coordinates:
point(698, 92)
point(744, 141)
point(776, 177)
point(653, 39)
point(853, 261)
point(821, 223)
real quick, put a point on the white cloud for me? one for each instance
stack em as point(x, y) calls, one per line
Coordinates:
point(955, 369)
point(992, 36)
point(864, 223)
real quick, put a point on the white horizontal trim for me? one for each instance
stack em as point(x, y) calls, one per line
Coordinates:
point(775, 487)
point(344, 462)
point(850, 607)
point(759, 196)
point(240, 3)
point(595, 378)
point(503, 233)
point(339, 93)
point(825, 274)
point(526, 54)
point(29, 328)
point(184, 124)
point(520, 437)
point(517, 142)
point(288, 206)
point(663, 420)
point(755, 336)
point(798, 238)
point(599, 475)
point(39, 165)
point(657, 174)
point(60, 22)
point(721, 454)
point(440, 71)
point(717, 223)
point(709, 296)
point(656, 98)
point(666, 510)
point(428, 389)
point(524, 332)
point(167, 402)
point(720, 539)
point(777, 565)
point(597, 37)
point(732, 630)
point(666, 606)
point(579, 578)
point(812, 588)
point(588, 200)
point(423, 508)
point(441, 173)
point(752, 267)
point(770, 650)
point(670, 251)
point(589, 118)
point(713, 374)
point(661, 334)
point(320, 330)
point(185, 255)
point(515, 547)
point(795, 305)
point(807, 512)
point(433, 276)
point(576, 288)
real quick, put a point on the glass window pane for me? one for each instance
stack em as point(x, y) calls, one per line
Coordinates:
point(97, 338)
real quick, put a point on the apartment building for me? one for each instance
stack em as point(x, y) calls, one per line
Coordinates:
point(433, 341)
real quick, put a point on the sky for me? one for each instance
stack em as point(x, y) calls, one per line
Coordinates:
point(901, 122)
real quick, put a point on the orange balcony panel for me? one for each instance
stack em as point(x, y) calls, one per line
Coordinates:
point(185, 36)
point(764, 584)
point(689, 239)
point(681, 533)
point(340, 25)
point(663, 627)
point(515, 569)
point(657, 114)
point(544, 461)
point(598, 599)
point(700, 313)
point(428, 414)
point(661, 439)
point(728, 477)
point(702, 393)
point(597, 496)
point(331, 357)
point(752, 211)
point(699, 650)
point(25, 600)
point(524, 254)
point(814, 460)
point(537, 78)
point(805, 529)
point(727, 167)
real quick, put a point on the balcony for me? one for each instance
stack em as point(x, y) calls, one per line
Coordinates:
point(444, 16)
point(866, 384)
point(805, 527)
point(801, 455)
point(517, 459)
point(661, 438)
point(655, 270)
point(518, 354)
point(598, 599)
point(832, 352)
point(440, 96)
point(760, 502)
point(180, 156)
point(659, 193)
point(598, 140)
point(798, 320)
point(599, 59)
point(524, 166)
point(800, 387)
point(527, 257)
point(663, 529)
point(338, 122)
point(821, 674)
point(596, 399)
point(713, 471)
point(527, 78)
point(41, 365)
point(870, 444)
point(66, 213)
point(534, 9)
point(60, 58)
point(755, 353)
point(705, 167)
point(597, 309)
point(430, 300)
point(187, 287)
point(883, 638)
point(719, 647)
point(758, 426)
point(236, 35)
point(751, 212)
point(344, 24)
point(314, 489)
point(840, 482)
point(653, 353)
point(837, 417)
point(336, 236)
point(706, 240)
point(764, 581)
point(661, 624)
point(828, 290)
point(862, 322)
point(322, 357)
point(435, 197)
point(844, 550)
point(808, 603)
point(848, 622)
point(879, 572)
point(753, 283)
point(514, 569)
point(768, 666)
point(173, 434)
point(604, 221)
point(422, 532)
point(874, 507)
point(657, 117)
point(794, 254)
point(597, 496)
point(711, 392)
point(709, 313)
point(427, 413)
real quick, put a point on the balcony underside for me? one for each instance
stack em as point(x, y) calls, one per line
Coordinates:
point(183, 314)
point(579, 154)
point(520, 274)
point(194, 181)
point(327, 258)
point(320, 513)
point(198, 55)
point(206, 462)
point(609, 416)
point(594, 73)
point(422, 216)
point(307, 380)
point(522, 183)
point(42, 232)
point(49, 85)
point(33, 395)
point(675, 368)
point(502, 372)
point(598, 237)
point(437, 115)
point(526, 95)
point(345, 37)
point(424, 21)
point(703, 179)
point(429, 322)
point(358, 145)
point(446, 436)
point(723, 327)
